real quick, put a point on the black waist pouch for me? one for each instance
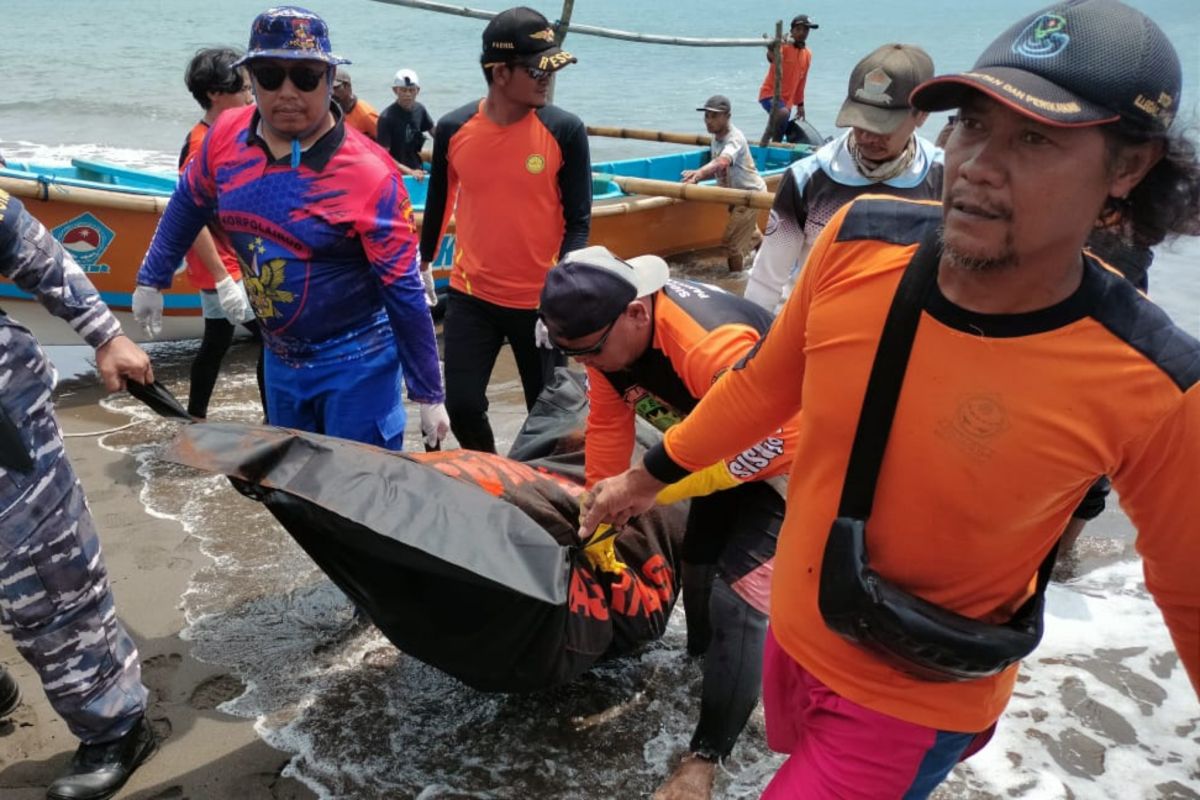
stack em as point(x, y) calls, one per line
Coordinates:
point(912, 634)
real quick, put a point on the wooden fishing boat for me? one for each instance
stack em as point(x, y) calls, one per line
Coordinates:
point(105, 215)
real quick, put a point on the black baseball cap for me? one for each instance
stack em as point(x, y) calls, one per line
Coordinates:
point(802, 19)
point(718, 103)
point(591, 287)
point(523, 36)
point(1073, 64)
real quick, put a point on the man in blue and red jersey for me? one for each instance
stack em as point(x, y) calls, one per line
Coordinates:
point(319, 219)
point(517, 174)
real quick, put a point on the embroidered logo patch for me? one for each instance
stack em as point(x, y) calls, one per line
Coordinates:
point(1045, 37)
point(535, 164)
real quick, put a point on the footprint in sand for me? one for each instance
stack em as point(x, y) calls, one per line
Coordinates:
point(213, 691)
point(157, 672)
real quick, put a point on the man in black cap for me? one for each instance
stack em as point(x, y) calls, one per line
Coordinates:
point(880, 153)
point(652, 348)
point(516, 173)
point(796, 60)
point(732, 164)
point(1033, 372)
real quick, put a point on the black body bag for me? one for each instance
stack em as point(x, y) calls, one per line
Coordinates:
point(918, 637)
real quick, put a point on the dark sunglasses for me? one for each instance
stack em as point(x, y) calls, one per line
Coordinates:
point(537, 74)
point(270, 76)
point(592, 349)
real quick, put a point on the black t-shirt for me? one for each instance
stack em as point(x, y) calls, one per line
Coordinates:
point(402, 132)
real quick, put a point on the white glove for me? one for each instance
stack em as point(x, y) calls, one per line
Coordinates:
point(435, 423)
point(431, 298)
point(541, 336)
point(147, 309)
point(234, 301)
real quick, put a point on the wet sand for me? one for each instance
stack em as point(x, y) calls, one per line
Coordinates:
point(205, 753)
point(270, 638)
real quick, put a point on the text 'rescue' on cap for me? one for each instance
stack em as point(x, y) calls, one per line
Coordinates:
point(523, 36)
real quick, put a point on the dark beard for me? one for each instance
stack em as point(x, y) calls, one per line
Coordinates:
point(1006, 260)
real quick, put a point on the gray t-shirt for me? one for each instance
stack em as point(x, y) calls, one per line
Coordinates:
point(742, 174)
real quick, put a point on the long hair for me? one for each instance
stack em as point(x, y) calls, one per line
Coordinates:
point(1167, 200)
point(212, 70)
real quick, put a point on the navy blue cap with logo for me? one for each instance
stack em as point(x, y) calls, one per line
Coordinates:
point(523, 36)
point(1073, 64)
point(292, 33)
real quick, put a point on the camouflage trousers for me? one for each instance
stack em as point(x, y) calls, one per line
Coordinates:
point(55, 599)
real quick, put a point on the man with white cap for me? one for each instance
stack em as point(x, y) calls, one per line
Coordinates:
point(404, 123)
point(879, 154)
point(653, 347)
point(1018, 370)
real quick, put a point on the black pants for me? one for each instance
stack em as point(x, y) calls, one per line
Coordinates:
point(473, 333)
point(218, 335)
point(730, 535)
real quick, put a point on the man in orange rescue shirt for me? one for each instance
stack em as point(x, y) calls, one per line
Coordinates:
point(520, 173)
point(1034, 371)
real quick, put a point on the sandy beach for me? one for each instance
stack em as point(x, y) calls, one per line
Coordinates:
point(205, 753)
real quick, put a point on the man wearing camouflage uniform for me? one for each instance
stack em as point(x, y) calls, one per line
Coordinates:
point(55, 599)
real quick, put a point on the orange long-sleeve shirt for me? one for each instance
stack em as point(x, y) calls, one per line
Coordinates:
point(796, 61)
point(699, 333)
point(1002, 424)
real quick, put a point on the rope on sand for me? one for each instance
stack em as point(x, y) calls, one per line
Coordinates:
point(86, 434)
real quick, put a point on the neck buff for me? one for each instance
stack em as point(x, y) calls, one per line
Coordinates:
point(879, 171)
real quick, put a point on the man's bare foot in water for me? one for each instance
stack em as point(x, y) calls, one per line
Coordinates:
point(691, 780)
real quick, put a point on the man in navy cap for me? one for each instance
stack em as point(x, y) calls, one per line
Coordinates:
point(320, 221)
point(516, 173)
point(1033, 371)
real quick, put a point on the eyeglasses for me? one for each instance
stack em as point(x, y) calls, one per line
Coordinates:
point(270, 76)
point(593, 349)
point(532, 72)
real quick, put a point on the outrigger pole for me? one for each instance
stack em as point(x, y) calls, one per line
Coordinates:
point(563, 25)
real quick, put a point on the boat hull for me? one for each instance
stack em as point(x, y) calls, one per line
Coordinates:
point(109, 244)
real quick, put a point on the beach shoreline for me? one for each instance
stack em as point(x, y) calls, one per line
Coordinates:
point(204, 753)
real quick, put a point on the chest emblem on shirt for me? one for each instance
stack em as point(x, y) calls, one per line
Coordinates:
point(975, 422)
point(262, 285)
point(535, 163)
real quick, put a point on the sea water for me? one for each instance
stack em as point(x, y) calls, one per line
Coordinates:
point(1103, 710)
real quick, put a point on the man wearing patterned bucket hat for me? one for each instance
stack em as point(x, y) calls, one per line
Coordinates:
point(516, 173)
point(1033, 371)
point(323, 228)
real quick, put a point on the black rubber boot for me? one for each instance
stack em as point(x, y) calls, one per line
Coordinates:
point(10, 693)
point(98, 770)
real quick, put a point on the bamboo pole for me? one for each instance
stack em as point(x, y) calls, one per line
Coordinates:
point(688, 191)
point(776, 98)
point(587, 30)
point(649, 136)
point(560, 34)
point(49, 191)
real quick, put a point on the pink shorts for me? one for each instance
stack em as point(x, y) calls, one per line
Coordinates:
point(839, 749)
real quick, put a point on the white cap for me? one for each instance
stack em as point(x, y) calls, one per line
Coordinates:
point(406, 77)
